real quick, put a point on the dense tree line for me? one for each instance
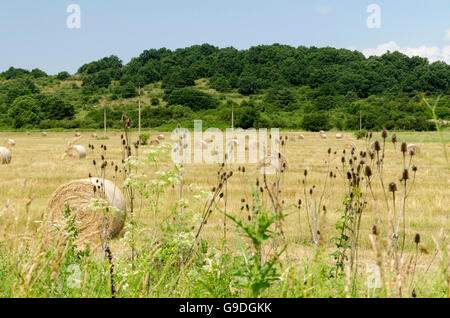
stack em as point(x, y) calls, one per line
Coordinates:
point(310, 88)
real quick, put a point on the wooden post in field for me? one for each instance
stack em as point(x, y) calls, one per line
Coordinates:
point(139, 134)
point(104, 121)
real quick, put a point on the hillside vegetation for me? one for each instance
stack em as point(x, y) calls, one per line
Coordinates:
point(268, 86)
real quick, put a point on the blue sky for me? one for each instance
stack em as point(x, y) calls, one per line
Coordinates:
point(35, 34)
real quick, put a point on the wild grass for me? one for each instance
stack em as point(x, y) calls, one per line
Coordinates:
point(227, 231)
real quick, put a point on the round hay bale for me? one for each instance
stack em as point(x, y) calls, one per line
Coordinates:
point(266, 162)
point(339, 136)
point(5, 156)
point(321, 132)
point(94, 135)
point(323, 136)
point(161, 137)
point(291, 138)
point(77, 134)
point(301, 137)
point(79, 194)
point(76, 152)
point(413, 148)
point(9, 143)
point(28, 133)
point(44, 134)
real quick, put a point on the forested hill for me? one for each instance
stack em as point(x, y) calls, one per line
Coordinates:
point(270, 86)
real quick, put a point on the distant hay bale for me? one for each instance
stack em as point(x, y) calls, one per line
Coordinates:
point(323, 136)
point(266, 162)
point(44, 134)
point(161, 137)
point(76, 152)
point(77, 134)
point(339, 136)
point(5, 156)
point(28, 133)
point(94, 135)
point(78, 195)
point(9, 143)
point(321, 132)
point(301, 137)
point(414, 148)
point(291, 138)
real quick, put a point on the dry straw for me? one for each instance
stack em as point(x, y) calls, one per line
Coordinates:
point(78, 195)
point(339, 136)
point(5, 156)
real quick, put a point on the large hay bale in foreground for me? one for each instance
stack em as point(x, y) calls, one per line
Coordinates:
point(79, 194)
point(5, 156)
point(76, 152)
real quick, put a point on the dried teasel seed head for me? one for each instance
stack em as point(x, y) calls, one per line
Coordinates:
point(417, 238)
point(414, 168)
point(349, 175)
point(392, 187)
point(405, 175)
point(404, 147)
point(394, 138)
point(376, 146)
point(384, 133)
point(368, 171)
point(375, 230)
point(305, 173)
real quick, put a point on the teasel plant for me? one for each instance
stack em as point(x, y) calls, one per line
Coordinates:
point(129, 190)
point(315, 205)
point(103, 169)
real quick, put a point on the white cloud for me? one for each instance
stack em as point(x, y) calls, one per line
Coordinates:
point(433, 53)
point(447, 35)
point(322, 10)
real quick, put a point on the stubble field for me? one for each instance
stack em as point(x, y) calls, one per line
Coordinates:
point(37, 170)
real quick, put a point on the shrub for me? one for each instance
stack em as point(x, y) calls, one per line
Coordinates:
point(192, 98)
point(316, 121)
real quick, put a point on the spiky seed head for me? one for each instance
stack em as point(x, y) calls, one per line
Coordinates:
point(392, 187)
point(375, 230)
point(376, 146)
point(417, 238)
point(384, 133)
point(404, 147)
point(405, 175)
point(394, 138)
point(368, 171)
point(414, 168)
